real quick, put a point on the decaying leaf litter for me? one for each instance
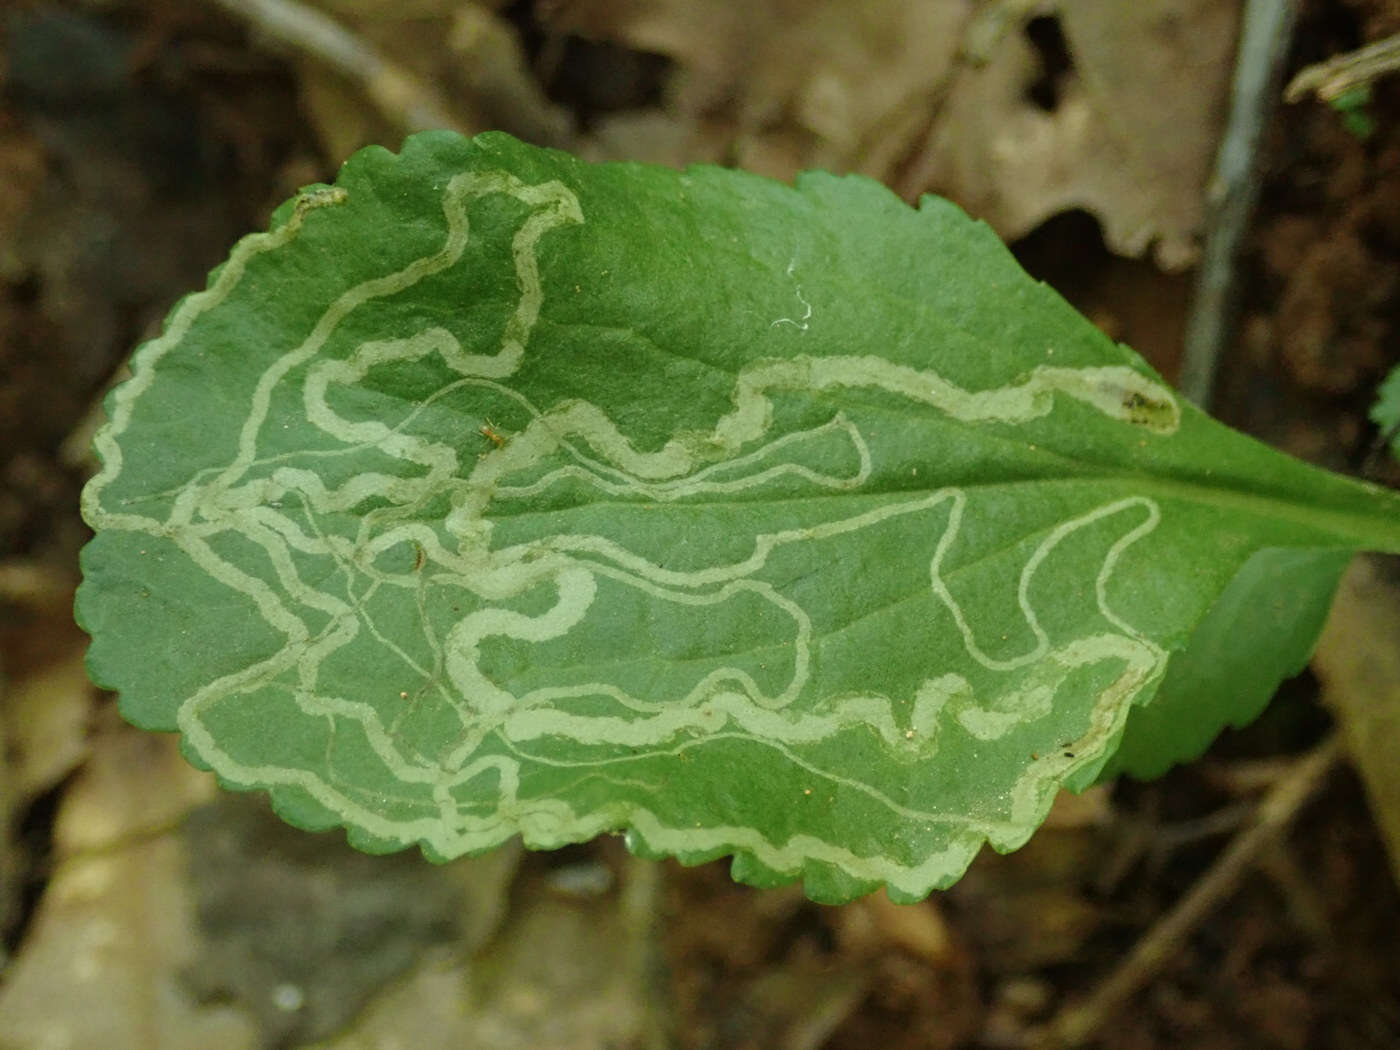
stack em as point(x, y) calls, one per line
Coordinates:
point(784, 972)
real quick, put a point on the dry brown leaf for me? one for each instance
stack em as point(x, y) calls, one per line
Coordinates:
point(1358, 661)
point(487, 63)
point(305, 931)
point(1090, 808)
point(100, 965)
point(38, 587)
point(45, 708)
point(845, 85)
point(560, 975)
point(335, 107)
point(936, 95)
point(469, 54)
point(47, 714)
point(919, 929)
point(1131, 138)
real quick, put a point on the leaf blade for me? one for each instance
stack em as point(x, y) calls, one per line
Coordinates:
point(523, 495)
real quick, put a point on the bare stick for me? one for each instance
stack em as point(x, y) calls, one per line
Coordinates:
point(1075, 1025)
point(1234, 189)
point(401, 97)
point(1339, 74)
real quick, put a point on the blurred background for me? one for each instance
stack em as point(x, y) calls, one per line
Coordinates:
point(141, 909)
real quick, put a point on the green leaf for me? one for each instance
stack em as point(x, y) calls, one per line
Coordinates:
point(1385, 413)
point(1354, 105)
point(1261, 630)
point(493, 492)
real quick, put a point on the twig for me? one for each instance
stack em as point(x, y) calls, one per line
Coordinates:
point(1075, 1025)
point(641, 916)
point(1339, 74)
point(1171, 837)
point(1234, 189)
point(401, 97)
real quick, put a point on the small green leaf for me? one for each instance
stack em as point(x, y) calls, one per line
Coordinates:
point(1354, 105)
point(492, 492)
point(1385, 413)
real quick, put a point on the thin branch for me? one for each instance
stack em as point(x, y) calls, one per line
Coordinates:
point(1234, 189)
point(1339, 74)
point(1075, 1025)
point(403, 99)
